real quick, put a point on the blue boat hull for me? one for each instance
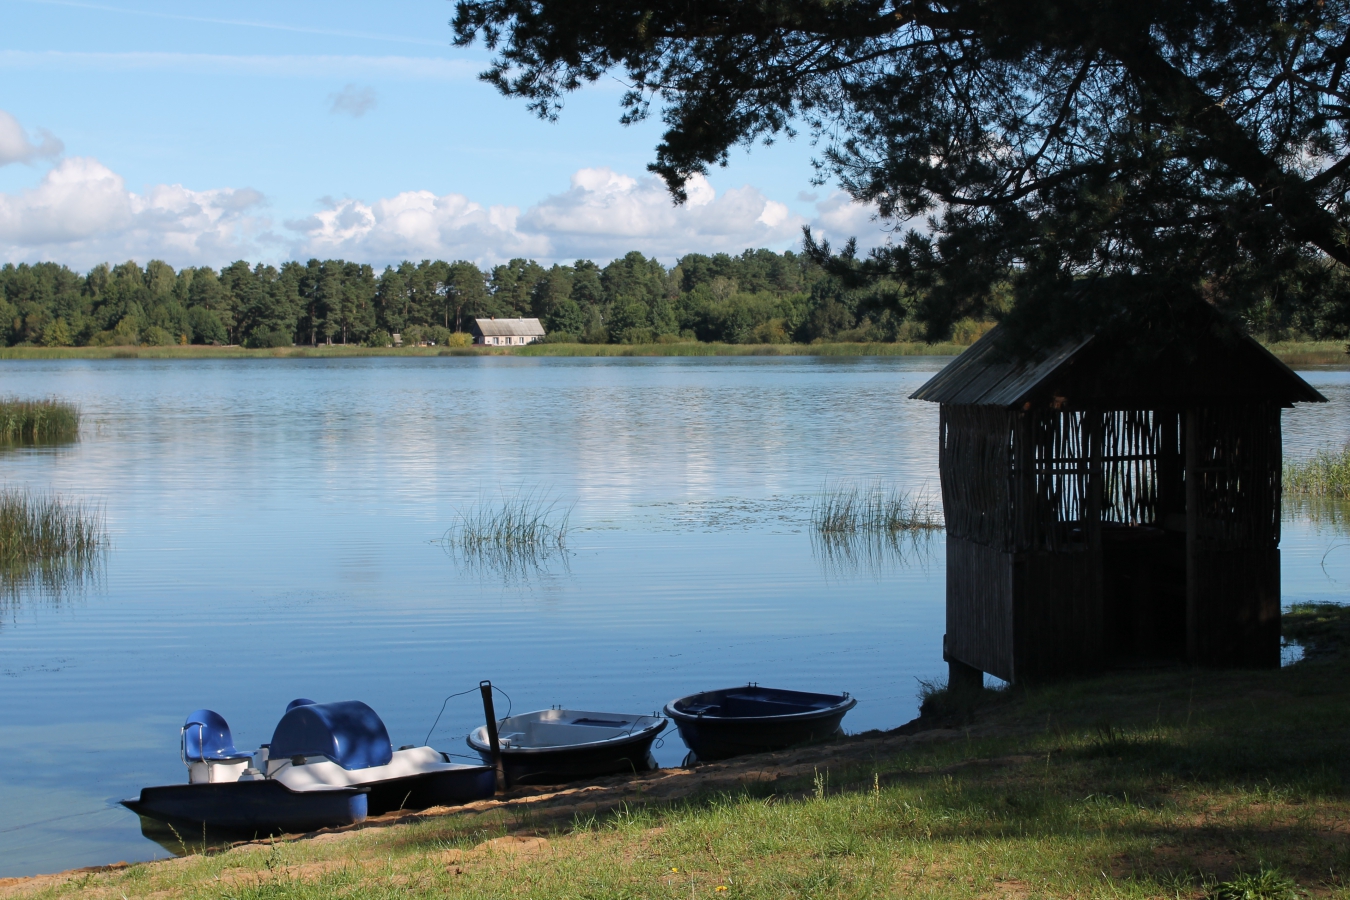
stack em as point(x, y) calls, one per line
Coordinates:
point(451, 788)
point(562, 765)
point(737, 721)
point(251, 807)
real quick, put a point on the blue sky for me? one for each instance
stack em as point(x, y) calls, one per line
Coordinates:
point(202, 132)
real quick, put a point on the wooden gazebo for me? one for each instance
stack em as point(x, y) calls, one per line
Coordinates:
point(1105, 505)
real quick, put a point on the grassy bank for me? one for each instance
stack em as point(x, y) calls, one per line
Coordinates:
point(1310, 353)
point(1157, 783)
point(691, 348)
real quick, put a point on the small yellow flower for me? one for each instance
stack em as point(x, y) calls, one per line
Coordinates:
point(721, 887)
point(673, 869)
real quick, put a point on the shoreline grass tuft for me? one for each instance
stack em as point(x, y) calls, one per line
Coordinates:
point(1324, 474)
point(875, 508)
point(48, 540)
point(514, 535)
point(37, 421)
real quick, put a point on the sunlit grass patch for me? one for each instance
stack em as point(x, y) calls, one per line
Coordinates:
point(1324, 474)
point(37, 421)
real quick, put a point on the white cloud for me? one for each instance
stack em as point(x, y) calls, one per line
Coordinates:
point(16, 146)
point(606, 214)
point(415, 225)
point(838, 218)
point(82, 214)
point(353, 101)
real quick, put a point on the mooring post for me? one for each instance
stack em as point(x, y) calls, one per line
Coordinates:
point(491, 715)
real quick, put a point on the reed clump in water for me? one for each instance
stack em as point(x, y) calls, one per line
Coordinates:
point(515, 534)
point(37, 421)
point(877, 509)
point(1324, 474)
point(48, 539)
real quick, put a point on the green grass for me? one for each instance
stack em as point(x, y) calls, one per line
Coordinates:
point(1166, 783)
point(47, 540)
point(1325, 474)
point(696, 348)
point(1310, 353)
point(1295, 353)
point(37, 421)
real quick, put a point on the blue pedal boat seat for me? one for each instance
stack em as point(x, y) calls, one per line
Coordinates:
point(206, 738)
point(348, 732)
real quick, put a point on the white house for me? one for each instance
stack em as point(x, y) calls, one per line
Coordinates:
point(496, 332)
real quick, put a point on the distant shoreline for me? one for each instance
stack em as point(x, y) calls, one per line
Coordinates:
point(1293, 353)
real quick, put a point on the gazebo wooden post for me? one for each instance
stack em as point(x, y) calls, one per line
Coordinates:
point(1193, 478)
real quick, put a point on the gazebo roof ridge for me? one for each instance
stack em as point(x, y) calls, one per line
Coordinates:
point(1218, 365)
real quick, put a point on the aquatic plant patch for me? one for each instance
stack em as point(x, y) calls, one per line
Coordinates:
point(513, 535)
point(1324, 474)
point(47, 540)
point(37, 421)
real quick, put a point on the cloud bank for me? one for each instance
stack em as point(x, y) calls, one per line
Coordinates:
point(81, 213)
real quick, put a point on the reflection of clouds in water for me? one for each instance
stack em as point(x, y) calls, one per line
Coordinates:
point(874, 554)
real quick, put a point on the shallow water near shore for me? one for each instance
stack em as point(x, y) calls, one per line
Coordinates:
point(276, 531)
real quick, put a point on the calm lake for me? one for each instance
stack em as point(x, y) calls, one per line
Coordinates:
point(276, 532)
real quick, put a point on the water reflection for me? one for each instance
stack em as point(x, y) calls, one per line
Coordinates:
point(1323, 514)
point(874, 554)
point(52, 582)
point(190, 838)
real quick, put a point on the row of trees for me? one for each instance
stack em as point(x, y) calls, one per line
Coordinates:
point(756, 297)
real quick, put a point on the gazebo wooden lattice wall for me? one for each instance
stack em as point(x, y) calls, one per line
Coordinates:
point(1105, 506)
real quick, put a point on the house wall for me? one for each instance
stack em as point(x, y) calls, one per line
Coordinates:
point(507, 341)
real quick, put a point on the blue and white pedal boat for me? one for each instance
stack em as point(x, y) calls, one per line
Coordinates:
point(328, 764)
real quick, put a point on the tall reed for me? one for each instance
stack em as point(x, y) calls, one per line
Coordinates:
point(1324, 474)
point(37, 421)
point(877, 508)
point(47, 539)
point(513, 535)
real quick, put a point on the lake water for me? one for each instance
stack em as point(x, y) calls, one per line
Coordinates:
point(276, 532)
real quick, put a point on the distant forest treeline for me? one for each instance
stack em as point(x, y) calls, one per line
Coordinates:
point(757, 297)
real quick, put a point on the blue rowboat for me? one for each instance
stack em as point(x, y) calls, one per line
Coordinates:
point(753, 719)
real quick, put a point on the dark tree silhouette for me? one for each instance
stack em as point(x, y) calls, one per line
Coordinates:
point(1110, 158)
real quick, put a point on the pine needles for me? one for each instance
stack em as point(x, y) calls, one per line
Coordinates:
point(37, 421)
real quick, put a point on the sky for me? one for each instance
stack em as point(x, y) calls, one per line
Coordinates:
point(204, 132)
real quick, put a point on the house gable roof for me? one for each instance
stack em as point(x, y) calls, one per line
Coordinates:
point(509, 327)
